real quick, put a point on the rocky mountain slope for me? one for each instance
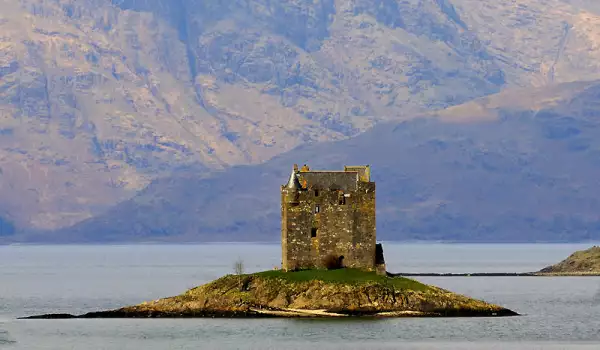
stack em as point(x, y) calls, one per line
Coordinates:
point(517, 166)
point(100, 98)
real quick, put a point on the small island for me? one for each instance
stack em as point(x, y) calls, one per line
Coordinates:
point(332, 265)
point(308, 293)
point(580, 263)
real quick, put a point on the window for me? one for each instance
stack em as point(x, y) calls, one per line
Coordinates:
point(342, 200)
point(316, 193)
point(317, 209)
point(313, 232)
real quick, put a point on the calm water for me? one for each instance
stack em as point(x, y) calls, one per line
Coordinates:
point(559, 313)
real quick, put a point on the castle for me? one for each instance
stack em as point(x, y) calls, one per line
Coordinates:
point(329, 216)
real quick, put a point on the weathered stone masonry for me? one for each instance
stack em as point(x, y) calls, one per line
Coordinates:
point(327, 214)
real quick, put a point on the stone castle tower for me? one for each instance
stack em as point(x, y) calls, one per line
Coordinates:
point(329, 215)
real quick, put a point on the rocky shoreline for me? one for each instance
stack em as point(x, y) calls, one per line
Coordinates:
point(276, 313)
point(337, 293)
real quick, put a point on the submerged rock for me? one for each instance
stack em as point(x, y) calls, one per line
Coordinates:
point(583, 262)
point(310, 293)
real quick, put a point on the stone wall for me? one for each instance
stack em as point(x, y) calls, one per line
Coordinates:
point(319, 223)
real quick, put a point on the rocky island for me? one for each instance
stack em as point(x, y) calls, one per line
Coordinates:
point(580, 263)
point(308, 293)
point(332, 265)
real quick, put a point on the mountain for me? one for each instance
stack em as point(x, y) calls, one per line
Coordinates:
point(103, 101)
point(519, 166)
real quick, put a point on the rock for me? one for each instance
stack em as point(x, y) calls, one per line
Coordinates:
point(309, 293)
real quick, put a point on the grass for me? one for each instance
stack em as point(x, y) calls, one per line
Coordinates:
point(345, 276)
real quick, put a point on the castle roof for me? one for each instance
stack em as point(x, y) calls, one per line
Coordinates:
point(344, 180)
point(330, 180)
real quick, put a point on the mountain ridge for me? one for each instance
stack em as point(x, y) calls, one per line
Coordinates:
point(100, 99)
point(434, 175)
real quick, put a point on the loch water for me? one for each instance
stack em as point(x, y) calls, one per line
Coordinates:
point(557, 312)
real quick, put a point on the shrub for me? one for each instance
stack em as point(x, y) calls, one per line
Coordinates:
point(238, 267)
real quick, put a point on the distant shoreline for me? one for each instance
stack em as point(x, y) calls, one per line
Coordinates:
point(180, 243)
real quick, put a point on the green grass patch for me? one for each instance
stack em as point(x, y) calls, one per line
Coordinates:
point(346, 276)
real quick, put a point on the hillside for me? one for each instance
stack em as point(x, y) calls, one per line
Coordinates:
point(98, 98)
point(102, 102)
point(583, 262)
point(517, 166)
